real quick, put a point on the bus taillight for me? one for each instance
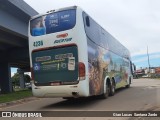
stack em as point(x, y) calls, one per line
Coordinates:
point(81, 71)
point(32, 75)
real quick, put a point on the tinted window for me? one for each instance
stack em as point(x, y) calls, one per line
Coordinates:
point(55, 65)
point(87, 21)
point(53, 22)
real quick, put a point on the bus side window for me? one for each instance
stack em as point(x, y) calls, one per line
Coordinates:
point(87, 21)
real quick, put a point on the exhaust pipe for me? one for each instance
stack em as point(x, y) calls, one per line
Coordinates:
point(75, 94)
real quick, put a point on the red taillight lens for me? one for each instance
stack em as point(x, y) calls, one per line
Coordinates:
point(32, 75)
point(82, 71)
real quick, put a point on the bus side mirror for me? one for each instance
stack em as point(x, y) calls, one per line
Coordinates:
point(87, 21)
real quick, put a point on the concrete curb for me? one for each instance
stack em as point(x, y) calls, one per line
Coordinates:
point(20, 101)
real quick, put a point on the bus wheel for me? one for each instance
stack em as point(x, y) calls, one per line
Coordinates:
point(105, 95)
point(112, 89)
point(128, 86)
point(68, 98)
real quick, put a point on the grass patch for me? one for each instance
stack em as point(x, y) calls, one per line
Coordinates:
point(15, 96)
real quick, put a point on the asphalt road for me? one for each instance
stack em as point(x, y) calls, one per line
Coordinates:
point(143, 95)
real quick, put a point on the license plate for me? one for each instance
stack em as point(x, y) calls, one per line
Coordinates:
point(55, 84)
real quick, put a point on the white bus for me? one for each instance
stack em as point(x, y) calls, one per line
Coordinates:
point(72, 56)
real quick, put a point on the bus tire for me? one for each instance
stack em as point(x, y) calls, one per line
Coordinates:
point(112, 88)
point(128, 86)
point(68, 98)
point(106, 94)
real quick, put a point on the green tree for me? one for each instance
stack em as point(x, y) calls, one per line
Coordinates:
point(27, 78)
point(16, 77)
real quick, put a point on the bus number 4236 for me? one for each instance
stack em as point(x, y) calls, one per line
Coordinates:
point(38, 43)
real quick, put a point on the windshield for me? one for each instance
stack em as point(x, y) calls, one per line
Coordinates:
point(54, 22)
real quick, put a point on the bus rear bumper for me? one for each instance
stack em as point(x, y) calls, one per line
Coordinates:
point(79, 90)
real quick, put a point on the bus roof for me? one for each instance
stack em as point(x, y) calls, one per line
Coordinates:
point(55, 10)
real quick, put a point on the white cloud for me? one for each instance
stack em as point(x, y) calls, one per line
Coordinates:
point(135, 23)
point(28, 73)
point(145, 58)
point(12, 73)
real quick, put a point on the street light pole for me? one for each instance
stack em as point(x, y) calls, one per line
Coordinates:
point(148, 59)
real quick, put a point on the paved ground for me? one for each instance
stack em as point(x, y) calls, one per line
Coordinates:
point(143, 95)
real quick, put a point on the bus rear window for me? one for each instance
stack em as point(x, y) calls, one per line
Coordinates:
point(54, 22)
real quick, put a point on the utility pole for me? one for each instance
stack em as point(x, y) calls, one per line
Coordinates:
point(148, 59)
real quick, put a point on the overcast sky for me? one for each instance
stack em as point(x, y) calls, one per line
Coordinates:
point(135, 23)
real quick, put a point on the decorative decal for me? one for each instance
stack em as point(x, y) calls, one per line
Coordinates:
point(36, 66)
